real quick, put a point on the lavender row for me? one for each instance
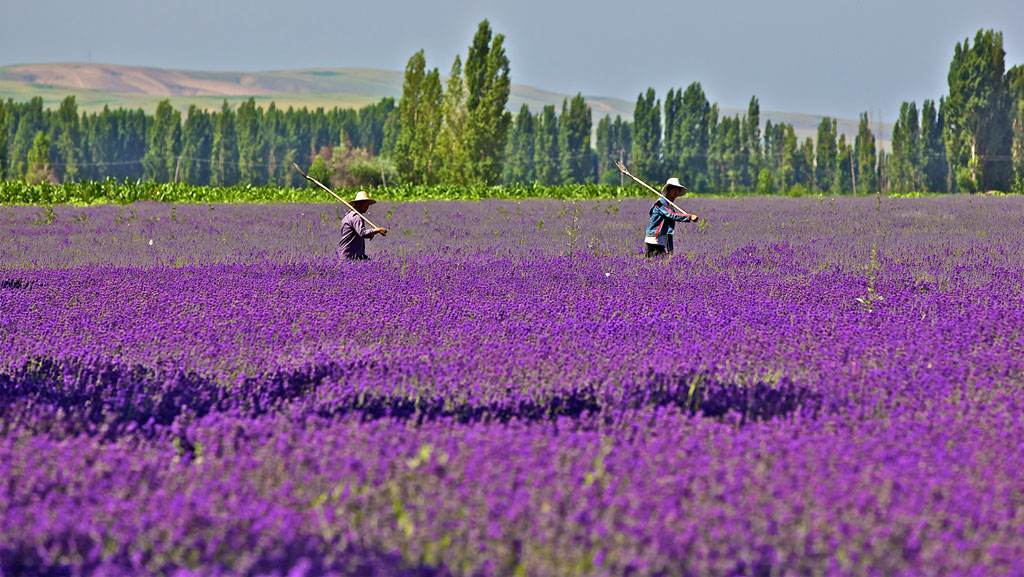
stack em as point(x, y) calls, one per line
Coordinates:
point(808, 388)
point(924, 493)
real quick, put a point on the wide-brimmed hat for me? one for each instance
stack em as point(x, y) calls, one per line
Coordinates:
point(674, 182)
point(363, 197)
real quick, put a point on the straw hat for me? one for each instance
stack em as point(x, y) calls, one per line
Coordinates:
point(362, 196)
point(674, 182)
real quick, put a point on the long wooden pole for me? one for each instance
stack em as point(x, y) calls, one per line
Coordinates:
point(343, 201)
point(622, 169)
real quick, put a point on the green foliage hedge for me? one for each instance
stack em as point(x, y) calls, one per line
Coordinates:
point(123, 192)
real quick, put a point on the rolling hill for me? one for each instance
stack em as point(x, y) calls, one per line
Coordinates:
point(99, 85)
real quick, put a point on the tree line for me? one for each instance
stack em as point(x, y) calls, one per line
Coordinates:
point(459, 132)
point(245, 145)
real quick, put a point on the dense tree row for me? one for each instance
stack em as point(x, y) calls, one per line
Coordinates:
point(245, 145)
point(461, 134)
point(973, 140)
point(457, 131)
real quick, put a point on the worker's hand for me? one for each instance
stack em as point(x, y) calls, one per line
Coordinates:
point(694, 218)
point(381, 231)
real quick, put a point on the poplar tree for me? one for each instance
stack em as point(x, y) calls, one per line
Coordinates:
point(806, 175)
point(825, 158)
point(905, 174)
point(845, 169)
point(789, 159)
point(519, 153)
point(420, 121)
point(752, 140)
point(933, 150)
point(275, 146)
point(1015, 84)
point(646, 153)
point(196, 147)
point(224, 165)
point(672, 141)
point(68, 140)
point(454, 156)
point(865, 153)
point(578, 164)
point(4, 132)
point(162, 143)
point(978, 134)
point(613, 143)
point(30, 122)
point(545, 152)
point(250, 143)
point(1018, 147)
point(722, 153)
point(39, 167)
point(694, 131)
point(487, 121)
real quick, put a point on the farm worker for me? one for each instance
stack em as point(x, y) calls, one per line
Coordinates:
point(663, 220)
point(355, 231)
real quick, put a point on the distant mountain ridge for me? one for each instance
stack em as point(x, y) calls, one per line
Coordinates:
point(98, 85)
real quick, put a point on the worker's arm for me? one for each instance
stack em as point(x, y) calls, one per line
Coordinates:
point(364, 230)
point(676, 216)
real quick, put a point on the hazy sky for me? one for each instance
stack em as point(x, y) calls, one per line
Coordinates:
point(818, 56)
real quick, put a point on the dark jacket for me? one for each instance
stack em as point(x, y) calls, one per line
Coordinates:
point(663, 221)
point(354, 232)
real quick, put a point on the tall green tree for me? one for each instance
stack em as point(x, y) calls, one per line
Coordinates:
point(455, 161)
point(370, 123)
point(30, 122)
point(519, 153)
point(825, 158)
point(40, 169)
point(487, 91)
point(197, 146)
point(4, 137)
point(805, 174)
point(1015, 84)
point(933, 149)
point(672, 140)
point(578, 164)
point(845, 167)
point(646, 153)
point(162, 143)
point(725, 156)
point(1018, 147)
point(694, 133)
point(865, 157)
point(789, 159)
point(272, 134)
point(420, 119)
point(545, 151)
point(224, 165)
point(614, 143)
point(905, 165)
point(978, 133)
point(251, 152)
point(69, 140)
point(752, 140)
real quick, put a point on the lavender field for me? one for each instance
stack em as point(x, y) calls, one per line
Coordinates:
point(818, 387)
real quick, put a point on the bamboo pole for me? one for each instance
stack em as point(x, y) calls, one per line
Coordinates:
point(343, 201)
point(622, 169)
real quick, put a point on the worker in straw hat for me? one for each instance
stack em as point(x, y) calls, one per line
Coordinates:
point(355, 229)
point(658, 240)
